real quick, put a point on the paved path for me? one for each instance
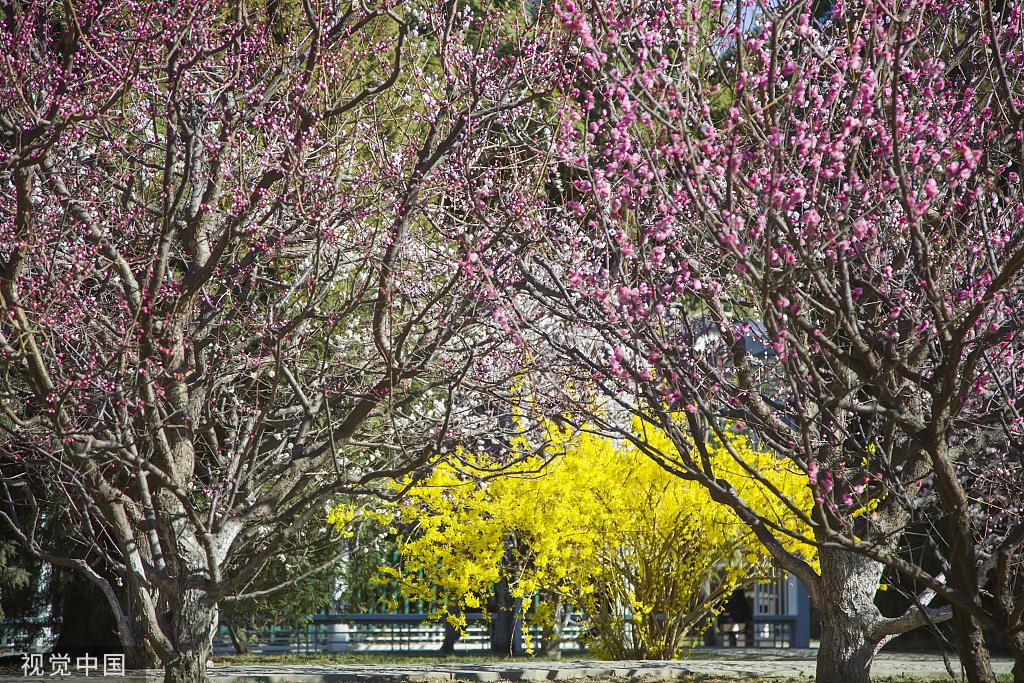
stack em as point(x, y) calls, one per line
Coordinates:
point(733, 663)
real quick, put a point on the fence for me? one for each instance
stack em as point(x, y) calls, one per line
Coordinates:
point(383, 633)
point(781, 618)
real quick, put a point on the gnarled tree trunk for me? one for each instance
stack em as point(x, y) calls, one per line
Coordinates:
point(193, 619)
point(187, 667)
point(846, 653)
point(846, 599)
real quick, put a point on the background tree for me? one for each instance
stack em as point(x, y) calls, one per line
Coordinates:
point(296, 583)
point(240, 268)
point(371, 545)
point(59, 607)
point(13, 576)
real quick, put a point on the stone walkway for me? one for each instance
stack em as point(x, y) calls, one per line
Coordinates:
point(732, 663)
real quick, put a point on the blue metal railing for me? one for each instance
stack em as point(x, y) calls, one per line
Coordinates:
point(382, 633)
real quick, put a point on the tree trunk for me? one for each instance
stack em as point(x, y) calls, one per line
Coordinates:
point(502, 619)
point(240, 643)
point(1017, 647)
point(963, 563)
point(551, 636)
point(974, 654)
point(140, 655)
point(193, 619)
point(846, 599)
point(451, 636)
point(186, 667)
point(845, 655)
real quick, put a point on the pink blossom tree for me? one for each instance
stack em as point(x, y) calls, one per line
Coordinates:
point(804, 221)
point(242, 272)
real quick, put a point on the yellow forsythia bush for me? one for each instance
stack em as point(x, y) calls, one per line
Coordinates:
point(592, 525)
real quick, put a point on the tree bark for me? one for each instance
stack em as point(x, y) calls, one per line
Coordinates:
point(846, 594)
point(451, 636)
point(1017, 648)
point(192, 620)
point(845, 655)
point(140, 655)
point(963, 562)
point(974, 654)
point(187, 667)
point(551, 637)
point(502, 619)
point(240, 643)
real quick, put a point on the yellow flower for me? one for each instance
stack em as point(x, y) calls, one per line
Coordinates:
point(593, 522)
